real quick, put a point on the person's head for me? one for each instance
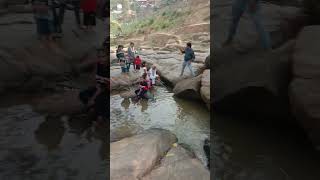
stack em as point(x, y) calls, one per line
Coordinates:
point(154, 67)
point(138, 57)
point(120, 47)
point(131, 44)
point(189, 44)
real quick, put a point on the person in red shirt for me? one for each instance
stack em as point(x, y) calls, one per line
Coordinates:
point(143, 87)
point(137, 62)
point(89, 8)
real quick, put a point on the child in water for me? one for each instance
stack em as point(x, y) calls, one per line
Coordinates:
point(144, 87)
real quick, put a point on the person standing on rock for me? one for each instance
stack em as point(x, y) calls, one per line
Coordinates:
point(76, 9)
point(89, 8)
point(137, 63)
point(189, 56)
point(44, 18)
point(153, 75)
point(253, 8)
point(131, 54)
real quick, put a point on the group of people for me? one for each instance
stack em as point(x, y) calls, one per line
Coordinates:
point(125, 61)
point(147, 81)
point(49, 21)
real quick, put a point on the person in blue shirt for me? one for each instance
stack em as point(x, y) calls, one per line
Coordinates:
point(189, 56)
point(253, 9)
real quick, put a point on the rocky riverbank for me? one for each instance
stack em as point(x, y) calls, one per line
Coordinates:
point(280, 83)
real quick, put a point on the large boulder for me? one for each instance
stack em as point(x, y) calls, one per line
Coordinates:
point(169, 65)
point(179, 164)
point(24, 58)
point(122, 81)
point(253, 83)
point(132, 158)
point(207, 62)
point(282, 22)
point(194, 28)
point(161, 39)
point(205, 87)
point(188, 88)
point(66, 103)
point(304, 90)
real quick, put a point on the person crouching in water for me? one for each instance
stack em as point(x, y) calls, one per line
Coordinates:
point(121, 59)
point(143, 87)
point(153, 75)
point(137, 63)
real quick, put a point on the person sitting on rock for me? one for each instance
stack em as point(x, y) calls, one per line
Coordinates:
point(143, 87)
point(153, 75)
point(137, 63)
point(253, 7)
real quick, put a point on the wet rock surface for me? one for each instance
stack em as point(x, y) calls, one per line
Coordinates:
point(304, 90)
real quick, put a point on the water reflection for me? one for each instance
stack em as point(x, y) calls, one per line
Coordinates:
point(50, 133)
point(73, 149)
point(125, 103)
point(189, 121)
point(144, 105)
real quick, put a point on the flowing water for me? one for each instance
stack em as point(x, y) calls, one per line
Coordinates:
point(189, 121)
point(34, 147)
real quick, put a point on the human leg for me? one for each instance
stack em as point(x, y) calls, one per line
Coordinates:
point(76, 6)
point(190, 68)
point(183, 67)
point(238, 8)
point(264, 35)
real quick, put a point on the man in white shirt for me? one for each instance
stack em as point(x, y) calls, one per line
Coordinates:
point(153, 75)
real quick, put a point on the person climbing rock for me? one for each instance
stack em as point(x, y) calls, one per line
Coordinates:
point(153, 75)
point(189, 56)
point(44, 18)
point(253, 8)
point(131, 54)
point(89, 8)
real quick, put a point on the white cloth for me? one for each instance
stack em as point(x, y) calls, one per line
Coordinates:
point(153, 75)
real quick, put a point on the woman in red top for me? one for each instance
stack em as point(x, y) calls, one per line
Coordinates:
point(89, 8)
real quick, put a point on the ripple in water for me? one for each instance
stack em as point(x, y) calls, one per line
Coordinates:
point(189, 121)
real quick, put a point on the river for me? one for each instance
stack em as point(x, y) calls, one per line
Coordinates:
point(188, 120)
point(36, 147)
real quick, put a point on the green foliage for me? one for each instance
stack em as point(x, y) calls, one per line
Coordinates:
point(160, 21)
